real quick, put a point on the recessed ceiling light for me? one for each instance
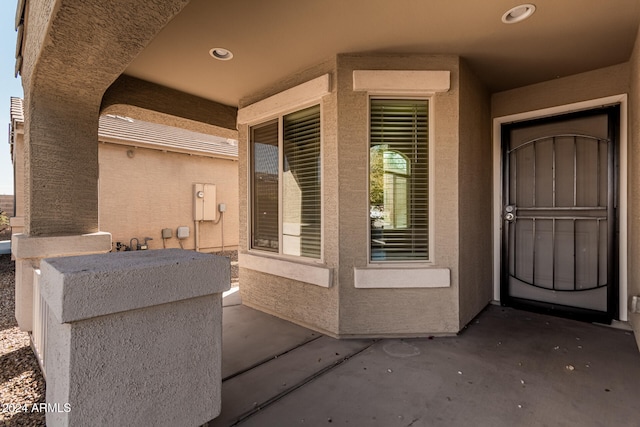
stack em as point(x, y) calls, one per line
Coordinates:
point(518, 13)
point(221, 53)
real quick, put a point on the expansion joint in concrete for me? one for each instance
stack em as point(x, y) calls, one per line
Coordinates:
point(259, 407)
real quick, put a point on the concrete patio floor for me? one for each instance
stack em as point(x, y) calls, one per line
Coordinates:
point(507, 368)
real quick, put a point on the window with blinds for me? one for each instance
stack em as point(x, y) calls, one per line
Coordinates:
point(399, 179)
point(286, 197)
point(264, 186)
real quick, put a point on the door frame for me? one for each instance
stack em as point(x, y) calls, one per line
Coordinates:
point(623, 178)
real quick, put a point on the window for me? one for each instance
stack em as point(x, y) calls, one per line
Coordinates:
point(285, 184)
point(399, 179)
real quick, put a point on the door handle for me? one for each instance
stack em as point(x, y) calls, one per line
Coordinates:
point(509, 213)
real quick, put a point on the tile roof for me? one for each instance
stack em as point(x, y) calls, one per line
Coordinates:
point(17, 112)
point(124, 130)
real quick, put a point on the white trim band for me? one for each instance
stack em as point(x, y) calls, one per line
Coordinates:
point(380, 278)
point(399, 82)
point(307, 273)
point(289, 99)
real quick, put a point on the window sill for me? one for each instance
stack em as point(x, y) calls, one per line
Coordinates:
point(313, 274)
point(405, 277)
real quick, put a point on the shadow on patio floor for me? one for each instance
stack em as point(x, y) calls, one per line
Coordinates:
point(507, 368)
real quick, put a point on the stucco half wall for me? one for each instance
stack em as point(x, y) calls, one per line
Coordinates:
point(460, 202)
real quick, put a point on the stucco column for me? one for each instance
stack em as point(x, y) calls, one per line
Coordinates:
point(61, 166)
point(71, 52)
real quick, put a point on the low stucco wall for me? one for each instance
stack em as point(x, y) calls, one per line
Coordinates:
point(143, 191)
point(134, 338)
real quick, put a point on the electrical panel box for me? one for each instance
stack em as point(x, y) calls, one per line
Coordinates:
point(205, 205)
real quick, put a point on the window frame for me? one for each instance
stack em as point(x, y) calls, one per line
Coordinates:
point(430, 98)
point(278, 116)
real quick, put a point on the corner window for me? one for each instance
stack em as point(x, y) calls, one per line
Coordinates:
point(285, 184)
point(399, 179)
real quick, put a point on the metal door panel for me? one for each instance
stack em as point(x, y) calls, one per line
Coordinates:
point(559, 213)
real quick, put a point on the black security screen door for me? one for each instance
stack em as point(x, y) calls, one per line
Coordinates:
point(559, 216)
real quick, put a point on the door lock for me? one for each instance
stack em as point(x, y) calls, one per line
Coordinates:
point(509, 214)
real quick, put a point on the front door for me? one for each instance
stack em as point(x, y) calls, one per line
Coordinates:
point(559, 216)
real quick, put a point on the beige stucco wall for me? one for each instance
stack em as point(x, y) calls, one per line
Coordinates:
point(18, 168)
point(343, 309)
point(595, 84)
point(396, 311)
point(302, 303)
point(475, 196)
point(634, 183)
point(141, 195)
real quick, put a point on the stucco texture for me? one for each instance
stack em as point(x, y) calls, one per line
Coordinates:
point(475, 198)
point(595, 84)
point(460, 138)
point(388, 312)
point(147, 190)
point(302, 303)
point(65, 73)
point(130, 344)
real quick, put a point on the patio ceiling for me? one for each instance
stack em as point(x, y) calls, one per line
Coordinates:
point(273, 39)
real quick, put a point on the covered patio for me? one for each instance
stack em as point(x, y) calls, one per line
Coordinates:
point(402, 167)
point(507, 368)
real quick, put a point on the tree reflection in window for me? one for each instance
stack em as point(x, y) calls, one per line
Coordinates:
point(399, 179)
point(389, 180)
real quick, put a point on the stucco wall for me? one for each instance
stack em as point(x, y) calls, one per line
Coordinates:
point(306, 304)
point(634, 183)
point(580, 87)
point(348, 311)
point(141, 195)
point(396, 311)
point(18, 177)
point(475, 198)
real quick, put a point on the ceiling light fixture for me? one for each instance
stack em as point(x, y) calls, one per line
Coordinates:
point(221, 53)
point(518, 13)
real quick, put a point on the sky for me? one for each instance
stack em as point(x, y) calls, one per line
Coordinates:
point(9, 86)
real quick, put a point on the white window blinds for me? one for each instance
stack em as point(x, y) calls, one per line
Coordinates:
point(301, 204)
point(286, 184)
point(399, 180)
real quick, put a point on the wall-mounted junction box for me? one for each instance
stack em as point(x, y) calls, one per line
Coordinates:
point(183, 232)
point(205, 205)
point(167, 233)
